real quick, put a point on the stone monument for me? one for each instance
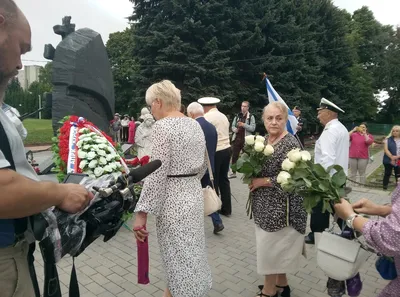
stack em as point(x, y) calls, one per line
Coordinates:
point(143, 136)
point(82, 78)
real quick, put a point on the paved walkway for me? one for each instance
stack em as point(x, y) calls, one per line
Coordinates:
point(109, 269)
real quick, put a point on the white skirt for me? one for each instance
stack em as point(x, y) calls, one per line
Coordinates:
point(278, 252)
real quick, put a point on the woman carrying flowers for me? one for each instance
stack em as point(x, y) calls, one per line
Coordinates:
point(279, 216)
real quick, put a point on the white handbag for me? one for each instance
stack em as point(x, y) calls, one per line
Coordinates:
point(339, 257)
point(212, 202)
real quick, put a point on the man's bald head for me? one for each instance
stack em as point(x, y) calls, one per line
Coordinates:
point(15, 40)
point(9, 12)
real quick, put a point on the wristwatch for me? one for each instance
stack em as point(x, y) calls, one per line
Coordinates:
point(350, 220)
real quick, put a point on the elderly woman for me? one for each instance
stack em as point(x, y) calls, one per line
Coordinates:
point(173, 194)
point(391, 156)
point(279, 217)
point(382, 234)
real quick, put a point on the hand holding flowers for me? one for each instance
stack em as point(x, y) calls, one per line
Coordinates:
point(250, 163)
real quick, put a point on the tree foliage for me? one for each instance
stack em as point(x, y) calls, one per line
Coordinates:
point(120, 53)
point(309, 49)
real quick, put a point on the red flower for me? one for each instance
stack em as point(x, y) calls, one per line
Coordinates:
point(134, 162)
point(143, 161)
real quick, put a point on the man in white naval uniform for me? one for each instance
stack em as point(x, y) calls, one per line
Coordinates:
point(332, 148)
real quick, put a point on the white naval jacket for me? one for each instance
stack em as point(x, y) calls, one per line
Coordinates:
point(332, 147)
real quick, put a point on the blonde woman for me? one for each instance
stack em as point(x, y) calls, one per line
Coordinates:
point(279, 217)
point(391, 156)
point(173, 194)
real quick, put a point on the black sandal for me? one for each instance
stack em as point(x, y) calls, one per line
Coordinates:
point(285, 292)
point(261, 294)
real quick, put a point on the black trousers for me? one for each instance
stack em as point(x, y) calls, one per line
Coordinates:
point(237, 147)
point(320, 221)
point(124, 134)
point(388, 173)
point(221, 180)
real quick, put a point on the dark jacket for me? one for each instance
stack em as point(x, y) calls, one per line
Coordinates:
point(392, 147)
point(211, 137)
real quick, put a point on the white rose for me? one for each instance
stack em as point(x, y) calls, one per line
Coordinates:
point(113, 165)
point(259, 146)
point(98, 171)
point(102, 146)
point(81, 154)
point(283, 177)
point(83, 164)
point(91, 155)
point(91, 134)
point(93, 164)
point(118, 164)
point(269, 150)
point(100, 140)
point(94, 147)
point(287, 164)
point(79, 143)
point(86, 147)
point(294, 155)
point(108, 169)
point(260, 139)
point(102, 161)
point(249, 140)
point(101, 153)
point(305, 155)
point(109, 157)
point(84, 131)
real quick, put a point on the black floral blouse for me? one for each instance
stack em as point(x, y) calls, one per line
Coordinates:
point(270, 204)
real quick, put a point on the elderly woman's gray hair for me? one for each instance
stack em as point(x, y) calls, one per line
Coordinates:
point(278, 105)
point(166, 92)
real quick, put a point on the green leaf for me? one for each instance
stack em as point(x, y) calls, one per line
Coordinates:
point(339, 178)
point(234, 167)
point(299, 173)
point(310, 202)
point(239, 163)
point(326, 206)
point(320, 171)
point(307, 182)
point(246, 168)
point(246, 180)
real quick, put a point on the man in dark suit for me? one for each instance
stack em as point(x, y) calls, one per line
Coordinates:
point(196, 111)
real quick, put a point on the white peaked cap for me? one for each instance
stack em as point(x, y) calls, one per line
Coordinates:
point(208, 101)
point(326, 104)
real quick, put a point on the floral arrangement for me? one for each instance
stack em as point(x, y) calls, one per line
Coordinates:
point(81, 147)
point(311, 181)
point(250, 163)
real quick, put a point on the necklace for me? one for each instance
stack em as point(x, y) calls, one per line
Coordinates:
point(277, 139)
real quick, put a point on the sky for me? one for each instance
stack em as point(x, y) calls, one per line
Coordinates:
point(108, 16)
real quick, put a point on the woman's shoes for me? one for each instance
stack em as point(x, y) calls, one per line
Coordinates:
point(285, 292)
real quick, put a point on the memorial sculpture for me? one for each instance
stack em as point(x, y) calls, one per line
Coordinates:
point(82, 78)
point(143, 136)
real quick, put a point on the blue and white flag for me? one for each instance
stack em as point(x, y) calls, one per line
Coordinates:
point(274, 96)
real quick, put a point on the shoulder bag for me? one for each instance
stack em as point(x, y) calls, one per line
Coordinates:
point(212, 202)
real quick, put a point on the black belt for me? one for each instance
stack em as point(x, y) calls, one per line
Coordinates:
point(182, 175)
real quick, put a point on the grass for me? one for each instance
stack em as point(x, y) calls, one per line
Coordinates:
point(40, 132)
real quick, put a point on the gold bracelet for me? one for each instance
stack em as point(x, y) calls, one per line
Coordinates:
point(267, 180)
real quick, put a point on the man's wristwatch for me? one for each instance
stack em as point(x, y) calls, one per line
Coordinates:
point(350, 220)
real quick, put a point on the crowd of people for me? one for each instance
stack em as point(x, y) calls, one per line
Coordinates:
point(174, 195)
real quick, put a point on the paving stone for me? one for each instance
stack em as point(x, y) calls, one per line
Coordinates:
point(110, 269)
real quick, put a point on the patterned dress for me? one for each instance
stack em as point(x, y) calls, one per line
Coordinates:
point(177, 203)
point(384, 236)
point(280, 218)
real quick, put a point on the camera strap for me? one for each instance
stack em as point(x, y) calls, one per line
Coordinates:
point(20, 225)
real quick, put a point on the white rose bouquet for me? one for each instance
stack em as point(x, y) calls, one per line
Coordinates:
point(97, 157)
point(311, 181)
point(255, 153)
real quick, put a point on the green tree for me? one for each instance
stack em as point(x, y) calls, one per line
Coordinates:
point(390, 112)
point(120, 52)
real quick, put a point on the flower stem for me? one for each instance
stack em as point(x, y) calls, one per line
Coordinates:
point(249, 206)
